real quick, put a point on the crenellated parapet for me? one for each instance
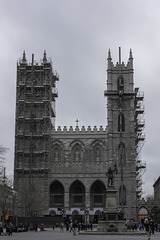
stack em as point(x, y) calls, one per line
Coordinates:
point(118, 65)
point(124, 66)
point(82, 130)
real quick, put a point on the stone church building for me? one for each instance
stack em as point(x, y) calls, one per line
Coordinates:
point(62, 172)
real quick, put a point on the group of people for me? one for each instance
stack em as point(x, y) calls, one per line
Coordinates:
point(148, 225)
point(75, 226)
point(7, 229)
point(71, 227)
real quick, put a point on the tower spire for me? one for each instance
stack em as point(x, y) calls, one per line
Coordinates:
point(109, 59)
point(119, 61)
point(130, 54)
point(109, 55)
point(119, 55)
point(24, 57)
point(131, 59)
point(44, 57)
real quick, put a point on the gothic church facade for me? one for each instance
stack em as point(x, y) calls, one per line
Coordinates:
point(63, 171)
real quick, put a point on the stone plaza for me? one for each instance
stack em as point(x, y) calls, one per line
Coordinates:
point(57, 234)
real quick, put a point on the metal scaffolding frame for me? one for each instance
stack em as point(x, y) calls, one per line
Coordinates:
point(139, 138)
point(35, 114)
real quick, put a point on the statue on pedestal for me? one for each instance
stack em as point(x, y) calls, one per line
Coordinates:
point(121, 216)
point(110, 175)
point(102, 216)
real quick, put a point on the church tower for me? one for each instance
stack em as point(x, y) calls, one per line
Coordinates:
point(35, 114)
point(122, 136)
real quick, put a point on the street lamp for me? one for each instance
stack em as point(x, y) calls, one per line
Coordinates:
point(63, 213)
point(86, 216)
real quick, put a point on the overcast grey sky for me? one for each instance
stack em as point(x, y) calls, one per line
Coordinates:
point(77, 35)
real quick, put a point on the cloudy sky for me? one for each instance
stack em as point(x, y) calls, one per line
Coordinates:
point(77, 35)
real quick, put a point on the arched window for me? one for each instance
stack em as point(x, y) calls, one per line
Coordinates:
point(56, 194)
point(77, 194)
point(121, 123)
point(98, 194)
point(121, 154)
point(122, 196)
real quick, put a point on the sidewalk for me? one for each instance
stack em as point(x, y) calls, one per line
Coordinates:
point(57, 234)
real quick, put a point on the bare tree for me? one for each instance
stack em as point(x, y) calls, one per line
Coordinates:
point(31, 197)
point(6, 195)
point(6, 187)
point(3, 150)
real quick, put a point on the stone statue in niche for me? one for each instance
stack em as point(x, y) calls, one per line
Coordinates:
point(56, 155)
point(97, 154)
point(77, 154)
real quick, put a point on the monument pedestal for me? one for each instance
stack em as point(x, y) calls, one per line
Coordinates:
point(110, 220)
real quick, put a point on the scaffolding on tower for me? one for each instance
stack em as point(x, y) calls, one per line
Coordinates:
point(139, 138)
point(35, 114)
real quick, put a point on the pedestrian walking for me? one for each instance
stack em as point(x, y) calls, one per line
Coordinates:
point(74, 228)
point(42, 227)
point(152, 226)
point(10, 229)
point(61, 226)
point(67, 226)
point(147, 227)
point(91, 227)
point(35, 227)
point(71, 227)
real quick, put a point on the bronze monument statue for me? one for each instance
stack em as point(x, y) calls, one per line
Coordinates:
point(110, 175)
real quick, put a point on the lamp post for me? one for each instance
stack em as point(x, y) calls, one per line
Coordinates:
point(63, 213)
point(86, 216)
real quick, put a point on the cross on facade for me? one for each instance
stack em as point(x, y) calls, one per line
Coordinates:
point(77, 121)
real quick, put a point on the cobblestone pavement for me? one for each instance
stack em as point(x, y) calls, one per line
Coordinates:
point(58, 235)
